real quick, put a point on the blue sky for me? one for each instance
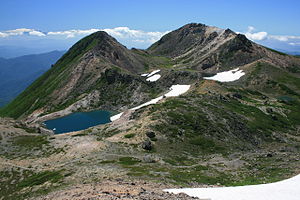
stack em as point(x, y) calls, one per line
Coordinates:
point(268, 18)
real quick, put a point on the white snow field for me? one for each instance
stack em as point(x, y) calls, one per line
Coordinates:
point(153, 78)
point(115, 117)
point(153, 101)
point(152, 73)
point(288, 189)
point(227, 76)
point(175, 90)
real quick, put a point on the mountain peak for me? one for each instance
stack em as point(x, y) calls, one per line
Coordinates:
point(193, 25)
point(181, 40)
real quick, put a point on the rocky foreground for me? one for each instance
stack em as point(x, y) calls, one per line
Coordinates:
point(116, 189)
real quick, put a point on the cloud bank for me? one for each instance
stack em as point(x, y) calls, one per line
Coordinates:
point(134, 38)
point(259, 36)
point(124, 34)
point(255, 36)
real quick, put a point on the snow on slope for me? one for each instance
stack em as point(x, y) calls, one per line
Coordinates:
point(288, 189)
point(153, 78)
point(227, 76)
point(175, 90)
point(154, 72)
point(115, 117)
point(153, 101)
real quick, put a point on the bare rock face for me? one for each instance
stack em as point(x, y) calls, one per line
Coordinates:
point(151, 134)
point(45, 131)
point(147, 145)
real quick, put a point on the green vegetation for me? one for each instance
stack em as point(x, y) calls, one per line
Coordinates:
point(278, 52)
point(27, 129)
point(131, 135)
point(36, 95)
point(128, 161)
point(107, 161)
point(30, 142)
point(206, 144)
point(185, 177)
point(257, 119)
point(17, 184)
point(27, 146)
point(40, 178)
point(80, 134)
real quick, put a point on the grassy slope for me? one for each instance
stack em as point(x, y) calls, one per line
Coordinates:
point(192, 130)
point(228, 121)
point(116, 80)
point(34, 96)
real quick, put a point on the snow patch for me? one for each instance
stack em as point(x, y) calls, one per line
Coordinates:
point(153, 78)
point(115, 117)
point(227, 76)
point(175, 90)
point(154, 72)
point(287, 189)
point(153, 101)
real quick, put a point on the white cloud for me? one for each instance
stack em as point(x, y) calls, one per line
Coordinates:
point(255, 36)
point(73, 33)
point(118, 32)
point(135, 35)
point(21, 31)
point(127, 36)
point(284, 38)
point(251, 29)
point(2, 34)
point(294, 43)
point(124, 34)
point(276, 41)
point(37, 33)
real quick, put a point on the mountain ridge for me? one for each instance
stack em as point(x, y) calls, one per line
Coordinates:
point(194, 47)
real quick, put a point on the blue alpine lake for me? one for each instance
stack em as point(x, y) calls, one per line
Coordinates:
point(78, 121)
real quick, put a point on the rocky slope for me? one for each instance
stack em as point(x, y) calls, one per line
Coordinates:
point(211, 49)
point(96, 66)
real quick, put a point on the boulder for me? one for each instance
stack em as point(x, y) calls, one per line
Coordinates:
point(150, 134)
point(147, 145)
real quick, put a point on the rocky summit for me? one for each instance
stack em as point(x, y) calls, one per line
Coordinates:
point(202, 106)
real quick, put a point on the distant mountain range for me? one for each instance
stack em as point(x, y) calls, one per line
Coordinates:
point(295, 53)
point(17, 73)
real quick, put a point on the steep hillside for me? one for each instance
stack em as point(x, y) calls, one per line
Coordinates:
point(96, 67)
point(211, 49)
point(97, 70)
